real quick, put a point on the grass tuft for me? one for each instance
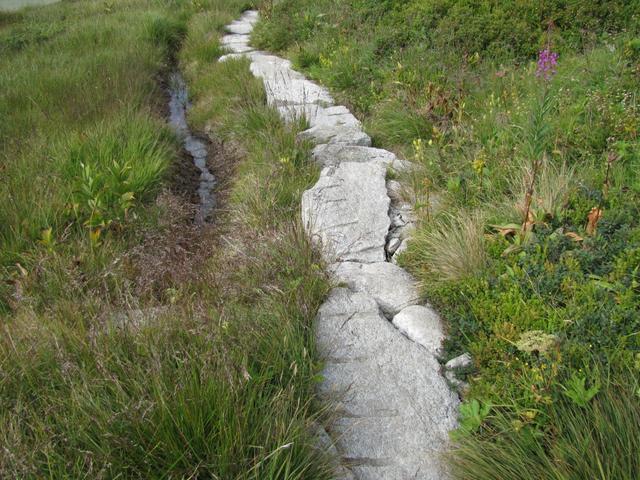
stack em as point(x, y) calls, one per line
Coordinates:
point(551, 193)
point(453, 246)
point(166, 32)
point(394, 124)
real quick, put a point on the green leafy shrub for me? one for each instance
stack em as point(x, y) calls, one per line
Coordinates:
point(576, 390)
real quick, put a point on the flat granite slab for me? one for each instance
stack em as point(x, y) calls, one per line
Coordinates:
point(393, 408)
point(345, 212)
point(337, 134)
point(333, 154)
point(293, 90)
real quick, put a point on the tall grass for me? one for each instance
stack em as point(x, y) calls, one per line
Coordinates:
point(166, 32)
point(115, 165)
point(197, 391)
point(396, 125)
point(551, 191)
point(74, 66)
point(453, 246)
point(154, 349)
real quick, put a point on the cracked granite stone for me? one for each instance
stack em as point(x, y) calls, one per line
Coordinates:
point(295, 91)
point(334, 154)
point(270, 67)
point(336, 134)
point(343, 212)
point(236, 43)
point(393, 408)
point(317, 115)
point(239, 27)
point(391, 286)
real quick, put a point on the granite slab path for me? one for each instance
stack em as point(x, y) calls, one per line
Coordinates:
point(393, 407)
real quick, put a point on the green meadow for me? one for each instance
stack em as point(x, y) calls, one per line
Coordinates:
point(523, 119)
point(135, 344)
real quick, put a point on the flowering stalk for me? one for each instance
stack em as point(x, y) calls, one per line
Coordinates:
point(546, 69)
point(596, 212)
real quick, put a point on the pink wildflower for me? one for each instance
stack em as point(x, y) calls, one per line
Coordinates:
point(547, 64)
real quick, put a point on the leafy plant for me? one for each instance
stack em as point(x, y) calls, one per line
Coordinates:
point(537, 141)
point(472, 415)
point(46, 238)
point(576, 390)
point(112, 171)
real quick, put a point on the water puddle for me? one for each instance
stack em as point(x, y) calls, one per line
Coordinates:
point(196, 148)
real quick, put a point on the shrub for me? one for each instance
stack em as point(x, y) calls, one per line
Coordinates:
point(505, 30)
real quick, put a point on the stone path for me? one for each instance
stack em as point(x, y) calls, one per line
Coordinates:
point(393, 407)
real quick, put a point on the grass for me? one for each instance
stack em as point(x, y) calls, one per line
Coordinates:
point(45, 104)
point(453, 247)
point(553, 186)
point(599, 440)
point(535, 238)
point(135, 344)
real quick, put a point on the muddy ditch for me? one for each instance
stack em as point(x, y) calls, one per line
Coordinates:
point(192, 209)
point(196, 148)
